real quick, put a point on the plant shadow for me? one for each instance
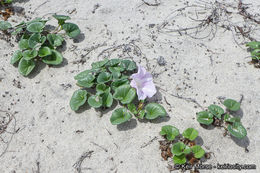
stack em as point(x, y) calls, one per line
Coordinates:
point(131, 124)
point(199, 141)
point(238, 113)
point(79, 38)
point(38, 68)
point(244, 143)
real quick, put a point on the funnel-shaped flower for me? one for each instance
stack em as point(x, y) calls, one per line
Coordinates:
point(142, 81)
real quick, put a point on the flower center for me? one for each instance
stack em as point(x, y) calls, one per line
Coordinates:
point(139, 83)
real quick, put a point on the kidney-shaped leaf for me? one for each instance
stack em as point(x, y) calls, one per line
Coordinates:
point(72, 30)
point(128, 65)
point(154, 110)
point(125, 94)
point(237, 130)
point(95, 101)
point(205, 117)
point(35, 27)
point(170, 131)
point(181, 159)
point(216, 111)
point(119, 82)
point(44, 51)
point(61, 18)
point(107, 99)
point(54, 59)
point(16, 56)
point(197, 151)
point(29, 54)
point(34, 40)
point(180, 148)
point(232, 104)
point(102, 88)
point(99, 64)
point(227, 118)
point(104, 77)
point(190, 134)
point(78, 98)
point(55, 40)
point(25, 67)
point(120, 116)
point(23, 44)
point(87, 81)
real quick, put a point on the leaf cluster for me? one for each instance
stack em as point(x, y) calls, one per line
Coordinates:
point(184, 149)
point(37, 43)
point(110, 80)
point(254, 47)
point(4, 2)
point(217, 114)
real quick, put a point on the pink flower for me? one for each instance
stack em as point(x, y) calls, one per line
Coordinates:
point(143, 83)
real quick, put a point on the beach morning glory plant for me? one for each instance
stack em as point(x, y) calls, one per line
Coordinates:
point(116, 80)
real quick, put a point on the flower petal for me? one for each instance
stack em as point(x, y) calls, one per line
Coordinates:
point(140, 94)
point(149, 89)
point(133, 84)
point(141, 70)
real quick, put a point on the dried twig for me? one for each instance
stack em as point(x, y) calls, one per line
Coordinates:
point(156, 3)
point(148, 143)
point(78, 164)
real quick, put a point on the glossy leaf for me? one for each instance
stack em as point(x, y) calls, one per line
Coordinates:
point(102, 88)
point(227, 118)
point(197, 151)
point(141, 114)
point(119, 82)
point(128, 65)
point(16, 56)
point(44, 51)
point(179, 159)
point(54, 59)
point(61, 18)
point(205, 117)
point(113, 62)
point(132, 108)
point(30, 54)
point(55, 40)
point(190, 134)
point(35, 27)
point(254, 44)
point(237, 130)
point(107, 99)
point(99, 64)
point(125, 94)
point(170, 131)
point(120, 116)
point(34, 40)
point(104, 77)
point(180, 148)
point(216, 111)
point(154, 110)
point(87, 81)
point(95, 101)
point(25, 67)
point(232, 104)
point(78, 98)
point(23, 44)
point(72, 30)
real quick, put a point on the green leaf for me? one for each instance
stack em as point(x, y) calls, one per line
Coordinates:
point(95, 101)
point(23, 44)
point(54, 59)
point(205, 117)
point(227, 118)
point(43, 39)
point(4, 25)
point(25, 67)
point(83, 74)
point(125, 94)
point(128, 65)
point(237, 130)
point(154, 110)
point(197, 151)
point(55, 40)
point(254, 44)
point(113, 62)
point(16, 56)
point(103, 77)
point(99, 64)
point(255, 54)
point(232, 104)
point(30, 54)
point(78, 99)
point(132, 108)
point(72, 30)
point(61, 18)
point(35, 27)
point(87, 81)
point(120, 116)
point(107, 99)
point(179, 159)
point(170, 131)
point(17, 30)
point(44, 51)
point(34, 40)
point(119, 82)
point(216, 111)
point(190, 134)
point(102, 88)
point(180, 148)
